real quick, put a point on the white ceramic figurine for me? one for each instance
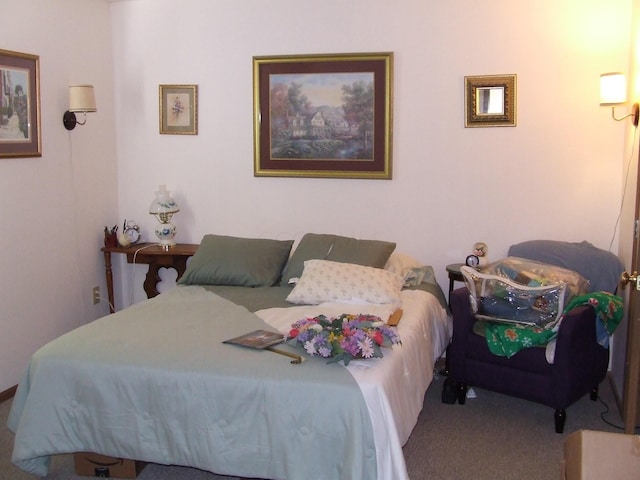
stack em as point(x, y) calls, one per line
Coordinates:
point(480, 250)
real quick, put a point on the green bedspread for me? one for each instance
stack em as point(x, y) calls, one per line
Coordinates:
point(155, 383)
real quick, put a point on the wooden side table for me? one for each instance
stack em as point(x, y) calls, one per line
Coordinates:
point(453, 270)
point(153, 255)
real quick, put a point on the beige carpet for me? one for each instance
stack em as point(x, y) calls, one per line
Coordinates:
point(491, 437)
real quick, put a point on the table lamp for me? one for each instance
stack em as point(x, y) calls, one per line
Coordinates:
point(163, 207)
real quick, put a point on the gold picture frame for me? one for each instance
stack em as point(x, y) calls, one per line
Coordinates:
point(323, 115)
point(19, 105)
point(178, 109)
point(490, 101)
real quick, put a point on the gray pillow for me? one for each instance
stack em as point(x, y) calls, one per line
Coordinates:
point(318, 246)
point(248, 262)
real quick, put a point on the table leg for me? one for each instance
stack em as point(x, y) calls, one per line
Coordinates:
point(151, 280)
point(109, 275)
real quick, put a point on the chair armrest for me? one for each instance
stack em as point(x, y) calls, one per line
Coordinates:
point(580, 363)
point(576, 343)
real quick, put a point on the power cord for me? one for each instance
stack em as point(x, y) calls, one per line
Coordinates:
point(611, 424)
point(76, 222)
point(133, 275)
point(626, 181)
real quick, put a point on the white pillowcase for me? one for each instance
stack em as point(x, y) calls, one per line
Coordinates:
point(326, 281)
point(400, 263)
point(413, 271)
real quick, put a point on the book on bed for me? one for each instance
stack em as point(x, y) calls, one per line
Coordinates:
point(257, 339)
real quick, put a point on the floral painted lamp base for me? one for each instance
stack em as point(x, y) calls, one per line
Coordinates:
point(165, 233)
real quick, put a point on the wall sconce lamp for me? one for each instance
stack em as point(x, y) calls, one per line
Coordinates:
point(613, 92)
point(81, 100)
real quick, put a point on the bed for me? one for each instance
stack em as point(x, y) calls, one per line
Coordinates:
point(155, 382)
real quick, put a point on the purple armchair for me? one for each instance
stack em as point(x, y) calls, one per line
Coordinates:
point(580, 362)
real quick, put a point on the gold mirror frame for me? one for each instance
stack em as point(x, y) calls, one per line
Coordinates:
point(481, 91)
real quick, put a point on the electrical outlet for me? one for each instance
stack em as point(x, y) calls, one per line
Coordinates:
point(96, 295)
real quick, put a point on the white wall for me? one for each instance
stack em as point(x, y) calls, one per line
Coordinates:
point(556, 175)
point(54, 207)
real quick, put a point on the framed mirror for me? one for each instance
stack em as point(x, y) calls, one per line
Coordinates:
point(490, 101)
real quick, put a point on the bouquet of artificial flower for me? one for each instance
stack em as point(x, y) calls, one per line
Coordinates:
point(345, 337)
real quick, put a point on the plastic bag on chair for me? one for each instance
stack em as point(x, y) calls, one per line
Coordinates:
point(497, 298)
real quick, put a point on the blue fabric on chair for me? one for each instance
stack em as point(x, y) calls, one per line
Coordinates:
point(600, 267)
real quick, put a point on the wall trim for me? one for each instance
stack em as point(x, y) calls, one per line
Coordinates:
point(8, 393)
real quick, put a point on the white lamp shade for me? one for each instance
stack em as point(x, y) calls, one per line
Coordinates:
point(613, 89)
point(163, 203)
point(82, 98)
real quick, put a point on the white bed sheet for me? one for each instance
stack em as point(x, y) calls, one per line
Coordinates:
point(394, 390)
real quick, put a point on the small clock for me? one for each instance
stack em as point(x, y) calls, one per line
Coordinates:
point(132, 231)
point(472, 261)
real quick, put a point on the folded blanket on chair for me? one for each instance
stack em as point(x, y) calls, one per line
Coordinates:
point(508, 339)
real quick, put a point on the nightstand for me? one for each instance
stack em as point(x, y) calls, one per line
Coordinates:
point(453, 270)
point(153, 255)
point(455, 275)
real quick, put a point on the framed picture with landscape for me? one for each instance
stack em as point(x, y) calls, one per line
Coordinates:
point(19, 105)
point(179, 109)
point(323, 115)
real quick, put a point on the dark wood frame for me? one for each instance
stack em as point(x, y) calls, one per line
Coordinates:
point(377, 166)
point(16, 144)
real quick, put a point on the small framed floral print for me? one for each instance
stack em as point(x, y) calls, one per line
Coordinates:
point(179, 109)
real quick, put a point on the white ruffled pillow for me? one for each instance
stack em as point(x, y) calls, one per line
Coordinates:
point(400, 263)
point(326, 281)
point(413, 271)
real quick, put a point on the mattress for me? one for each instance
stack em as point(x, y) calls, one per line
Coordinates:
point(110, 375)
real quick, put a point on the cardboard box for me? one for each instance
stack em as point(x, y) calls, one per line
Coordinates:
point(95, 465)
point(592, 455)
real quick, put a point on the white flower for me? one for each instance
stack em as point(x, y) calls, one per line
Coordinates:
point(366, 347)
point(310, 346)
point(316, 326)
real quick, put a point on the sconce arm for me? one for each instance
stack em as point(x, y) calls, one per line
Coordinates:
point(635, 114)
point(70, 120)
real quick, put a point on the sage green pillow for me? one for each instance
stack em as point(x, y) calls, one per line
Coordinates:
point(247, 262)
point(322, 246)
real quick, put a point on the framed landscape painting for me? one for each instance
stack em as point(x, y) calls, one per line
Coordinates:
point(19, 105)
point(323, 115)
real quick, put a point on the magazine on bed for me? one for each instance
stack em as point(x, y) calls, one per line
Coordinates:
point(257, 339)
